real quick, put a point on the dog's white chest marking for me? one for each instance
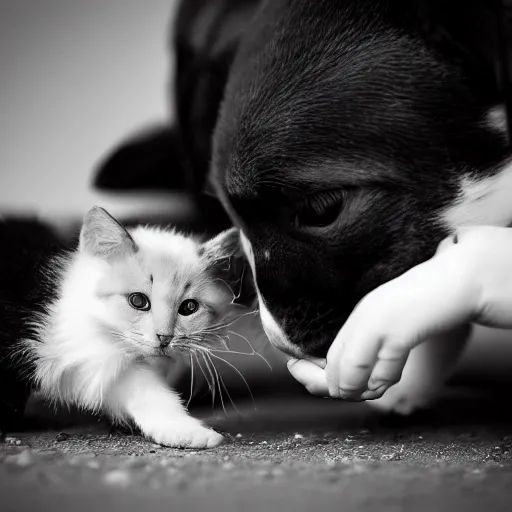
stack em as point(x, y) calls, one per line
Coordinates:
point(272, 329)
point(483, 202)
point(266, 254)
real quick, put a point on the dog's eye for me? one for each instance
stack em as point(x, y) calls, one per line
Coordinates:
point(139, 301)
point(188, 307)
point(318, 210)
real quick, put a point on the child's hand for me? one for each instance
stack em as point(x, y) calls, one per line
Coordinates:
point(467, 281)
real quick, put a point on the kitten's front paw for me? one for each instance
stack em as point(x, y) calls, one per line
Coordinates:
point(185, 434)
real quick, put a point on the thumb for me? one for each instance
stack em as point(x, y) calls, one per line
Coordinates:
point(310, 375)
point(322, 363)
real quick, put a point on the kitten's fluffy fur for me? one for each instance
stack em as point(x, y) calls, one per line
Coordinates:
point(93, 349)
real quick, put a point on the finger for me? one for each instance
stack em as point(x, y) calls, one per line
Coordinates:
point(322, 363)
point(355, 366)
point(311, 376)
point(387, 371)
point(373, 395)
point(353, 381)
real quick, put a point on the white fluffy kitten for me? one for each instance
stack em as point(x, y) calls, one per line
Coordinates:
point(126, 300)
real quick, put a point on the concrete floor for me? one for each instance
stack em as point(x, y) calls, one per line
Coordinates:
point(287, 451)
point(293, 452)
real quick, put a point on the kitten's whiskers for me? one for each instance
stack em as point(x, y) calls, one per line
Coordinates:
point(215, 374)
point(211, 386)
point(191, 380)
point(209, 355)
point(253, 351)
point(237, 371)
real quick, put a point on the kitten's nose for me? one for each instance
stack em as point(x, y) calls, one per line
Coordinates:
point(165, 340)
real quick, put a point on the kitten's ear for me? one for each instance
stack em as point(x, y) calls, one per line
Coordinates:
point(103, 237)
point(225, 259)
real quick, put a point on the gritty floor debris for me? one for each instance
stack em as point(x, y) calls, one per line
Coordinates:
point(457, 456)
point(61, 436)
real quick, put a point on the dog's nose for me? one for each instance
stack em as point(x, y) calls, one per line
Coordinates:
point(164, 339)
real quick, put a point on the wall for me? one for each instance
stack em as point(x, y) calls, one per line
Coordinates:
point(75, 77)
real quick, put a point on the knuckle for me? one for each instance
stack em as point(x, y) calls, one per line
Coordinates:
point(357, 364)
point(394, 347)
point(401, 344)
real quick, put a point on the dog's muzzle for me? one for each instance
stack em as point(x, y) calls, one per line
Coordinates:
point(273, 330)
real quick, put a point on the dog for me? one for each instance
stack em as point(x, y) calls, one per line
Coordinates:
point(349, 138)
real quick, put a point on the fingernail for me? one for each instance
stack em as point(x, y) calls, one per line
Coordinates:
point(373, 394)
point(351, 394)
point(322, 363)
point(379, 388)
point(291, 362)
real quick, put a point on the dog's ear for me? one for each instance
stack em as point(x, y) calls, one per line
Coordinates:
point(149, 160)
point(225, 260)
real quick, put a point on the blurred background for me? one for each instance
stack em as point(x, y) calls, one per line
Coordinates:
point(76, 77)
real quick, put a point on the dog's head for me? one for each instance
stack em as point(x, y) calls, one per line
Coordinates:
point(350, 142)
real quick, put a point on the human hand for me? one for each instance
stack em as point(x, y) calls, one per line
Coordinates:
point(470, 280)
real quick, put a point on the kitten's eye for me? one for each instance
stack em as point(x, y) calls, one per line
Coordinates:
point(139, 301)
point(319, 210)
point(188, 307)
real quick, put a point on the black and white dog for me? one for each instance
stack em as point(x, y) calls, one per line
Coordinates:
point(352, 136)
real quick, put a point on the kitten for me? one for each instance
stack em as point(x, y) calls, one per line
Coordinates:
point(114, 309)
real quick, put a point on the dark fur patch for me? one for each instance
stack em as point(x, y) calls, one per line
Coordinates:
point(26, 288)
point(360, 96)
